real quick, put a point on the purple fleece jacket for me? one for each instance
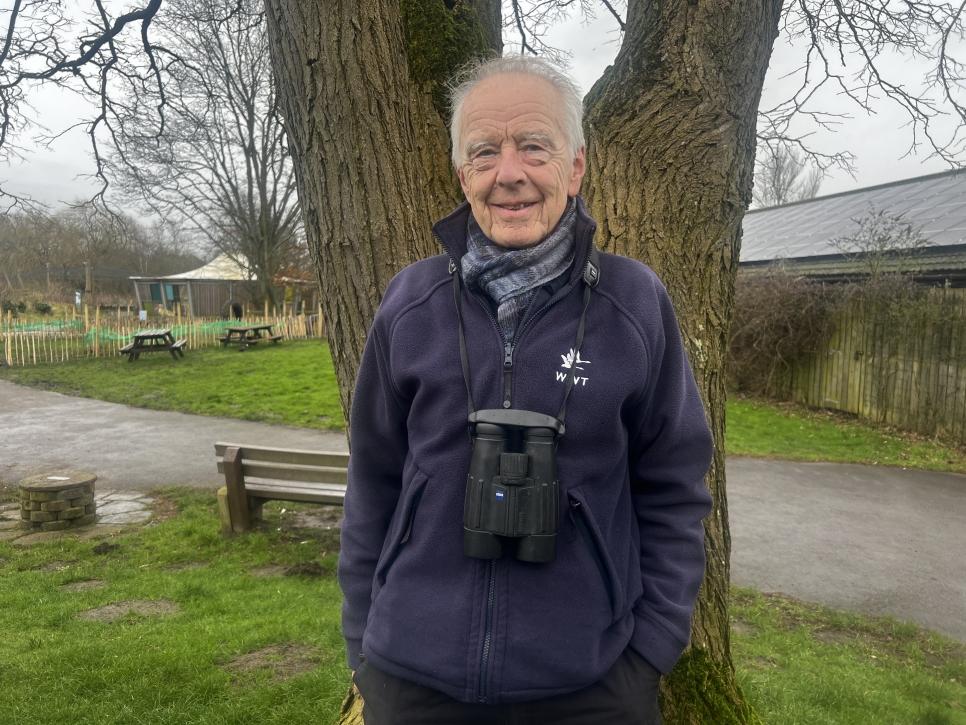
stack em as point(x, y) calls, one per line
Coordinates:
point(630, 548)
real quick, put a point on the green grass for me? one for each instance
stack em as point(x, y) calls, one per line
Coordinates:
point(291, 383)
point(56, 668)
point(799, 664)
point(804, 664)
point(793, 432)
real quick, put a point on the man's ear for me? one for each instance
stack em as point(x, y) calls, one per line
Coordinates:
point(462, 178)
point(580, 168)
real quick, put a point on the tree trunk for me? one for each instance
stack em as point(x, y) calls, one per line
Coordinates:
point(671, 141)
point(361, 87)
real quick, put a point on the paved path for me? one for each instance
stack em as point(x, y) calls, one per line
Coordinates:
point(863, 538)
point(876, 540)
point(128, 448)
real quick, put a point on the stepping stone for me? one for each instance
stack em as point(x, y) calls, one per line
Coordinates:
point(125, 496)
point(126, 517)
point(118, 507)
point(83, 586)
point(40, 537)
point(146, 607)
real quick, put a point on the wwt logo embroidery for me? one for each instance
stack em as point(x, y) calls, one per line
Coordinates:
point(569, 363)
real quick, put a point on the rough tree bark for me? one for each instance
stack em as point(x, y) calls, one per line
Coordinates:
point(369, 138)
point(671, 141)
point(671, 145)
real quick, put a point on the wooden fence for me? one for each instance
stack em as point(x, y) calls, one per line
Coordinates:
point(33, 343)
point(905, 368)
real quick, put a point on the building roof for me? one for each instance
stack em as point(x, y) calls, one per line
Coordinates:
point(222, 269)
point(803, 230)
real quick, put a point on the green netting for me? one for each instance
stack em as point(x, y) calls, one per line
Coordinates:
point(106, 334)
point(45, 326)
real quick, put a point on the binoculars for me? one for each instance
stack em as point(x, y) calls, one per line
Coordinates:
point(512, 500)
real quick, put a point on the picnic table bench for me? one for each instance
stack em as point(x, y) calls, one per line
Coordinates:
point(247, 335)
point(255, 474)
point(156, 340)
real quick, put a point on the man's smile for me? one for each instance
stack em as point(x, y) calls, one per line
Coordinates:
point(516, 207)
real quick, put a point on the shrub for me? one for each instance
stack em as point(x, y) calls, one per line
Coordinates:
point(42, 308)
point(9, 305)
point(779, 319)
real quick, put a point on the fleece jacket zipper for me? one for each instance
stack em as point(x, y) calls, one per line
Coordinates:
point(508, 348)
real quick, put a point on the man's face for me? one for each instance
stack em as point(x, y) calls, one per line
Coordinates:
point(516, 171)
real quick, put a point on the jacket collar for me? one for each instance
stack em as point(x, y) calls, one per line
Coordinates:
point(451, 233)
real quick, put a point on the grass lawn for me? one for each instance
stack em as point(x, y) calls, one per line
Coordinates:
point(249, 644)
point(242, 647)
point(804, 664)
point(291, 383)
point(793, 432)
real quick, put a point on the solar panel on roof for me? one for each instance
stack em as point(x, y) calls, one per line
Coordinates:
point(806, 229)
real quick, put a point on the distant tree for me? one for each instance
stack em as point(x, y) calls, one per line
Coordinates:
point(783, 175)
point(215, 160)
point(883, 242)
point(46, 251)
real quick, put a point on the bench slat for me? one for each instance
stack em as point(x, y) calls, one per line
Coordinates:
point(315, 474)
point(309, 495)
point(285, 455)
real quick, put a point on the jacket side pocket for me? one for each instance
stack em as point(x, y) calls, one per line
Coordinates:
point(584, 521)
point(405, 530)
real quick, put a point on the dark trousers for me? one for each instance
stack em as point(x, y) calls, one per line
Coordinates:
point(626, 695)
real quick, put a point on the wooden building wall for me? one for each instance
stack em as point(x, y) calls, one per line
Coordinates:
point(208, 297)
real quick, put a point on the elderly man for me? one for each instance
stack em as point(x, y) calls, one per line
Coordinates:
point(543, 568)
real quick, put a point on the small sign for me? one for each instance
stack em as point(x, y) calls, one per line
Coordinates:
point(143, 314)
point(499, 495)
point(77, 298)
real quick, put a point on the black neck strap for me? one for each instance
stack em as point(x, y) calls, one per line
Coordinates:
point(591, 278)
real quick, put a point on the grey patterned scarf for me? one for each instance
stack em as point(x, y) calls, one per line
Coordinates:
point(512, 277)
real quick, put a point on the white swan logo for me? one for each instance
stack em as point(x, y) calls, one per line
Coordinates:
point(568, 364)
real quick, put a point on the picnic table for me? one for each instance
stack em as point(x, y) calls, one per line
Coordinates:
point(245, 335)
point(156, 340)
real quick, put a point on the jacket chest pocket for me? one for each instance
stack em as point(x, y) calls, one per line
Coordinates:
point(403, 529)
point(590, 534)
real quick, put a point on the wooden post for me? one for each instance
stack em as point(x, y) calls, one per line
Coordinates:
point(319, 322)
point(235, 482)
point(87, 318)
point(97, 331)
point(266, 310)
point(7, 340)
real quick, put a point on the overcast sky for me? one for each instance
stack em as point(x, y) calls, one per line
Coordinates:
point(880, 142)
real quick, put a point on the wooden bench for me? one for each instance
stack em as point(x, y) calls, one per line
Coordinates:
point(247, 342)
point(254, 475)
point(134, 351)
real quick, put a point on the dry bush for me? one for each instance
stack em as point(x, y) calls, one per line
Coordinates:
point(779, 319)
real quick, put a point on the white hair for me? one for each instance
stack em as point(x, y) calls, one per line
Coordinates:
point(471, 76)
